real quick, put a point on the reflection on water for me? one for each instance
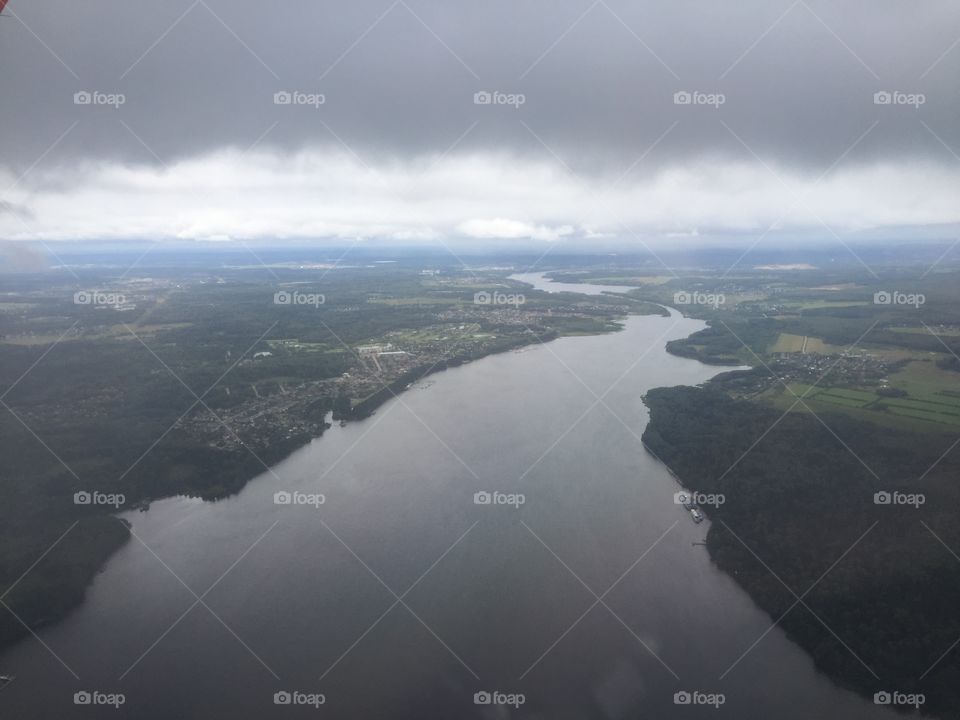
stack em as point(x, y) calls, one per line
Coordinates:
point(401, 597)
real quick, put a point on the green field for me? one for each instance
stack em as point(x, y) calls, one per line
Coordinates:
point(934, 407)
point(787, 342)
point(923, 379)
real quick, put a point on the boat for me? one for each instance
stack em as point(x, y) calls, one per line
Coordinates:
point(4, 679)
point(696, 515)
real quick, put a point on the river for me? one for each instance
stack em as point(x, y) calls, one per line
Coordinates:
point(400, 596)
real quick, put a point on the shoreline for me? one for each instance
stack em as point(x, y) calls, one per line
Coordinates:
point(681, 433)
point(119, 531)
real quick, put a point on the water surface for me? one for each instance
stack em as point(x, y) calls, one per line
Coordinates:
point(541, 282)
point(490, 597)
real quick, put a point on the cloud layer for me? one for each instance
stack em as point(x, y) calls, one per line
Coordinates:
point(229, 195)
point(526, 110)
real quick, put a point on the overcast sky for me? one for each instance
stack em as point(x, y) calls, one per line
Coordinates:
point(183, 137)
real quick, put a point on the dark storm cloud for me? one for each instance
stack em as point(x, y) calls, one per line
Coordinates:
point(399, 78)
point(423, 120)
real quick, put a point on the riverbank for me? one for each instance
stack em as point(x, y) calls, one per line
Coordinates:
point(800, 513)
point(399, 496)
point(57, 584)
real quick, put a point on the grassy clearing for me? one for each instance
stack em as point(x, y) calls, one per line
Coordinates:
point(945, 403)
point(840, 396)
point(934, 407)
point(922, 378)
point(937, 417)
point(783, 400)
point(839, 400)
point(787, 342)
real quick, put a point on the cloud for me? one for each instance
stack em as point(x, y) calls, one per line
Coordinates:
point(399, 80)
point(504, 228)
point(599, 150)
point(324, 194)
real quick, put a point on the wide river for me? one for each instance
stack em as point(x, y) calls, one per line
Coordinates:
point(401, 597)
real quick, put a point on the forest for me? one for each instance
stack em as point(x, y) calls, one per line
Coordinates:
point(165, 396)
point(800, 516)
